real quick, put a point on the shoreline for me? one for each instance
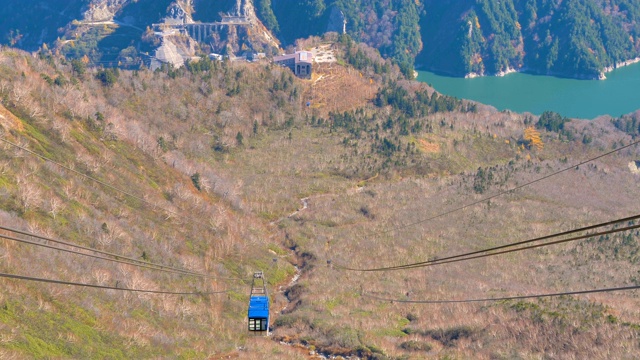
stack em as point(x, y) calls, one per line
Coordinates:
point(616, 66)
point(510, 70)
point(535, 94)
point(507, 71)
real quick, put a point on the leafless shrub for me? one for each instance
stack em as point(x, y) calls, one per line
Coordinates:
point(18, 94)
point(54, 206)
point(102, 277)
point(28, 194)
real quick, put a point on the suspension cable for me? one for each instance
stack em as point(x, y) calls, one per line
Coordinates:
point(113, 257)
point(622, 288)
point(502, 192)
point(526, 247)
point(78, 172)
point(3, 139)
point(469, 255)
point(153, 206)
point(60, 282)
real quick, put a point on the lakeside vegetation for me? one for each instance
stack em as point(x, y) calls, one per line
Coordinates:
point(573, 38)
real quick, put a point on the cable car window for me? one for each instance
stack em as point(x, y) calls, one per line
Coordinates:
point(257, 324)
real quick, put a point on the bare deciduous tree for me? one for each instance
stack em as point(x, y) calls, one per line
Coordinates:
point(102, 276)
point(62, 129)
point(4, 86)
point(55, 205)
point(18, 94)
point(29, 195)
point(104, 240)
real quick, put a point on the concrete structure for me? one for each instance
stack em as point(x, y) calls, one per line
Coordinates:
point(167, 53)
point(299, 63)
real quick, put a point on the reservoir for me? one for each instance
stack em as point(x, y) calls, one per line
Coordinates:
point(617, 95)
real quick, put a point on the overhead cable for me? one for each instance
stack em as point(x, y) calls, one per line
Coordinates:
point(622, 288)
point(60, 282)
point(117, 260)
point(110, 187)
point(77, 172)
point(469, 255)
point(502, 192)
point(525, 248)
point(113, 257)
point(95, 180)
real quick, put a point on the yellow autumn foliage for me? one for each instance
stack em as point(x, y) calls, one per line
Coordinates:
point(532, 136)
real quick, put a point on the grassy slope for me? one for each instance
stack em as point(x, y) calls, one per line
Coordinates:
point(208, 234)
point(250, 189)
point(340, 219)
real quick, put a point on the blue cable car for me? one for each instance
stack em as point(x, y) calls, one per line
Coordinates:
point(259, 305)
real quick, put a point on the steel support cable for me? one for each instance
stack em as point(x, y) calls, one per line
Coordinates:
point(466, 256)
point(622, 288)
point(142, 265)
point(79, 173)
point(581, 237)
point(502, 192)
point(99, 182)
point(96, 180)
point(60, 282)
point(115, 257)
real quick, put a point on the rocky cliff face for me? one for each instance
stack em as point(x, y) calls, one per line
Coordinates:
point(128, 33)
point(103, 10)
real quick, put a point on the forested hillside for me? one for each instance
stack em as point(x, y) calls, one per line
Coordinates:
point(572, 38)
point(569, 38)
point(388, 25)
point(225, 168)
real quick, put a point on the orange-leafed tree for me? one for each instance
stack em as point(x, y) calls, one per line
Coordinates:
point(532, 138)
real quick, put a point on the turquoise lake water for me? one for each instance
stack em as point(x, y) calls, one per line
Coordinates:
point(618, 94)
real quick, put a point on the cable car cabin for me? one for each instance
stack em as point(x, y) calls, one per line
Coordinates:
point(258, 305)
point(259, 313)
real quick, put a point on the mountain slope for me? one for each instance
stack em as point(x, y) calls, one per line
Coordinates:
point(224, 152)
point(187, 221)
point(581, 39)
point(569, 38)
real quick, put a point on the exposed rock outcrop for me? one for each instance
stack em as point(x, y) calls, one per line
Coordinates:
point(103, 10)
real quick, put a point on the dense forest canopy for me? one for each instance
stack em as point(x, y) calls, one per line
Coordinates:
point(573, 38)
point(568, 38)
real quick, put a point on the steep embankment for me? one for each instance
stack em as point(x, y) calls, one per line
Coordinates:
point(580, 39)
point(161, 206)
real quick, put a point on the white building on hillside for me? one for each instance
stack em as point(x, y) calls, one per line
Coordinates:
point(299, 63)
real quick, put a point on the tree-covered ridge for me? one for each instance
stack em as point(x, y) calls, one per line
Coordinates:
point(569, 38)
point(28, 23)
point(573, 38)
point(580, 38)
point(265, 13)
point(392, 26)
point(490, 40)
